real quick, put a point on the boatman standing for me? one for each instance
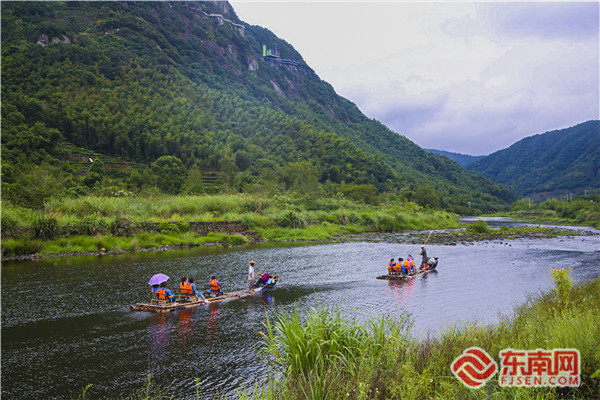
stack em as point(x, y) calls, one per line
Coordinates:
point(251, 276)
point(423, 254)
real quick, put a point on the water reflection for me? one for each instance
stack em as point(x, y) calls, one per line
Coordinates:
point(160, 329)
point(188, 317)
point(214, 311)
point(402, 290)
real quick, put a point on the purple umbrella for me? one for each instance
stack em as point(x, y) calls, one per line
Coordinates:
point(158, 279)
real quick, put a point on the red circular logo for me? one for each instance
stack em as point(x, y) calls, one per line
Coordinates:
point(474, 367)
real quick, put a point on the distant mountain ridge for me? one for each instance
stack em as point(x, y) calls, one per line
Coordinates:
point(461, 159)
point(548, 164)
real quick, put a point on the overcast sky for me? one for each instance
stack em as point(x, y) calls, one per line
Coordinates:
point(465, 77)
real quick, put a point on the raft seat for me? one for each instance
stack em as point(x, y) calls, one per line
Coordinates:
point(156, 302)
point(185, 298)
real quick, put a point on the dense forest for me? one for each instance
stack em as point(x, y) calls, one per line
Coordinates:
point(122, 98)
point(550, 164)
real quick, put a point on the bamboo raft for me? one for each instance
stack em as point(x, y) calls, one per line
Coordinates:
point(400, 277)
point(161, 306)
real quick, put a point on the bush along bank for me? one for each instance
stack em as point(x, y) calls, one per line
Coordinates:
point(320, 355)
point(112, 225)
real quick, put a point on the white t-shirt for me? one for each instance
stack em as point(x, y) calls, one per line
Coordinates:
point(250, 272)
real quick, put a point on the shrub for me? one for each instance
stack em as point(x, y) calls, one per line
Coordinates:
point(562, 280)
point(479, 226)
point(20, 247)
point(9, 225)
point(45, 226)
point(236, 240)
point(291, 220)
point(173, 227)
point(122, 226)
point(91, 225)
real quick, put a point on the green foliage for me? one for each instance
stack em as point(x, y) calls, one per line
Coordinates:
point(291, 220)
point(45, 226)
point(18, 247)
point(479, 226)
point(91, 225)
point(122, 226)
point(10, 223)
point(171, 174)
point(365, 193)
point(562, 281)
point(579, 210)
point(173, 227)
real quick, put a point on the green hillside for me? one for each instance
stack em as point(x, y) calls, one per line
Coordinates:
point(145, 80)
point(550, 164)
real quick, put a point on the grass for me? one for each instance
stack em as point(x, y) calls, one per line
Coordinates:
point(84, 244)
point(92, 223)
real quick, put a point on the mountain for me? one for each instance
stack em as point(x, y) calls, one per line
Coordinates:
point(461, 159)
point(549, 164)
point(138, 81)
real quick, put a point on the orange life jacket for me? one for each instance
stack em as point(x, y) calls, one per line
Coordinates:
point(186, 288)
point(162, 294)
point(214, 284)
point(391, 267)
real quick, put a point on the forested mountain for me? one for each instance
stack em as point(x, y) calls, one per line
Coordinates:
point(461, 159)
point(129, 83)
point(549, 164)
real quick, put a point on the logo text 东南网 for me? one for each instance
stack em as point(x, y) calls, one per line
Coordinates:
point(540, 367)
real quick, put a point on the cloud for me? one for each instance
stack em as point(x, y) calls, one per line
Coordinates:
point(544, 20)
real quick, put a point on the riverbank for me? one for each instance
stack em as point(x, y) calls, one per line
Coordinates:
point(103, 245)
point(96, 225)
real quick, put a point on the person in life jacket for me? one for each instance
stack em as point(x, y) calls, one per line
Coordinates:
point(195, 291)
point(215, 285)
point(399, 268)
point(164, 293)
point(391, 266)
point(411, 263)
point(406, 267)
point(185, 288)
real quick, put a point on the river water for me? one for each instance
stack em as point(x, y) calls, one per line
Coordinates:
point(66, 321)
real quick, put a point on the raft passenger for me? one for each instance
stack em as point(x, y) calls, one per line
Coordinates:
point(391, 266)
point(411, 263)
point(215, 285)
point(195, 291)
point(164, 293)
point(184, 287)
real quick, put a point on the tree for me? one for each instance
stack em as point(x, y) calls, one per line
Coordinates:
point(171, 174)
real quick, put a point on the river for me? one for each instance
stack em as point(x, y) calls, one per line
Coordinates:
point(66, 321)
